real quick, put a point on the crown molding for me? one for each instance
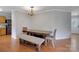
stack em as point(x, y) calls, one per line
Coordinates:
point(45, 11)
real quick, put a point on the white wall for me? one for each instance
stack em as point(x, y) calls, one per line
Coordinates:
point(19, 20)
point(75, 24)
point(7, 15)
point(45, 21)
point(54, 19)
point(14, 28)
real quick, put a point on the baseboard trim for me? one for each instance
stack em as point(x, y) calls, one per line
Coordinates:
point(64, 38)
point(75, 33)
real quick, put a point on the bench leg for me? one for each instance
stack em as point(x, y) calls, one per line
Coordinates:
point(22, 41)
point(38, 47)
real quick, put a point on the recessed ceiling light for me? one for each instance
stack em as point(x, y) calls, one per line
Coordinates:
point(1, 9)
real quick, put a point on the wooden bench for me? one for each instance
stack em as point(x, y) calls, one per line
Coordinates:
point(32, 39)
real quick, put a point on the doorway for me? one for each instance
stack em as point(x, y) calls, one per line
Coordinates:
point(75, 24)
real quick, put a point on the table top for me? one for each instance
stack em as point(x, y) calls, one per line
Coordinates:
point(38, 31)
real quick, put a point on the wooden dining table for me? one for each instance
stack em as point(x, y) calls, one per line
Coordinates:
point(37, 32)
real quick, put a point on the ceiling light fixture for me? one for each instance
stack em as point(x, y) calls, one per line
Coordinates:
point(31, 11)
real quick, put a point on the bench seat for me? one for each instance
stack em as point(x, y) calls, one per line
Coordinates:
point(32, 39)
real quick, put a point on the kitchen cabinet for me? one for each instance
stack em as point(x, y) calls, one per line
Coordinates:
point(2, 31)
point(2, 25)
point(2, 19)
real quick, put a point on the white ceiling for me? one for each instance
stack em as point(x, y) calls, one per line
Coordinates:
point(40, 8)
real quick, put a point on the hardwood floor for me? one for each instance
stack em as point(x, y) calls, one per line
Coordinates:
point(7, 44)
point(75, 43)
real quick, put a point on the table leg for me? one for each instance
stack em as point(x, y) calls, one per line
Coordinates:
point(53, 43)
point(46, 42)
